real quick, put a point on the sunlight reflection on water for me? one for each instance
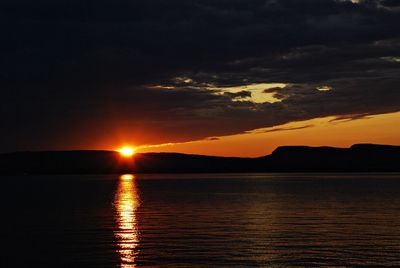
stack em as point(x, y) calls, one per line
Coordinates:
point(127, 234)
point(202, 220)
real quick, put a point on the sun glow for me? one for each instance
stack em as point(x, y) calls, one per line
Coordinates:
point(127, 177)
point(127, 151)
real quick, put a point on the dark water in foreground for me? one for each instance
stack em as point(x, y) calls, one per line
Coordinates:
point(203, 220)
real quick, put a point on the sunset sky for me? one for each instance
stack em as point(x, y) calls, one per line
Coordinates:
point(215, 77)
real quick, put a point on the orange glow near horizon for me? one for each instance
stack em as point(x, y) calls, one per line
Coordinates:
point(326, 131)
point(127, 151)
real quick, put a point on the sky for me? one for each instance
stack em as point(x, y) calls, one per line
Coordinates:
point(217, 77)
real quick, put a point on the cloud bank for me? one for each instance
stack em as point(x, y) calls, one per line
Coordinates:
point(73, 72)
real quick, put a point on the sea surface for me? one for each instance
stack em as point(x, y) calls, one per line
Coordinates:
point(201, 220)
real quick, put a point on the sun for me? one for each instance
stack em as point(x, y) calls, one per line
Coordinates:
point(127, 151)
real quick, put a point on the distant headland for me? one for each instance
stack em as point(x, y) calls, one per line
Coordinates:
point(357, 158)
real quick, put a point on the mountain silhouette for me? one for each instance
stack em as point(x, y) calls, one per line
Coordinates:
point(357, 158)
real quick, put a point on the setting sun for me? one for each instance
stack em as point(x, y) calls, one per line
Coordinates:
point(127, 151)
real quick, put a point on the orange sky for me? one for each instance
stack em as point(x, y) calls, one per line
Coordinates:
point(380, 129)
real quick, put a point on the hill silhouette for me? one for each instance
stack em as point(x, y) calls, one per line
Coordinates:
point(357, 158)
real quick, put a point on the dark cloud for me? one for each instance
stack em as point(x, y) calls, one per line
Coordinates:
point(73, 72)
point(284, 129)
point(241, 95)
point(350, 117)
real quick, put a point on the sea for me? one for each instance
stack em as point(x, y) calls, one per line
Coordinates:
point(201, 220)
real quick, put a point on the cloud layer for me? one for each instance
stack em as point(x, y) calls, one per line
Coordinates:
point(163, 71)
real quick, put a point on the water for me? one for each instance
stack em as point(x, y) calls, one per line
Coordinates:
point(203, 220)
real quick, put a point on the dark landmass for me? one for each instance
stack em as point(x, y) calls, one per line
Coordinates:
point(357, 158)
